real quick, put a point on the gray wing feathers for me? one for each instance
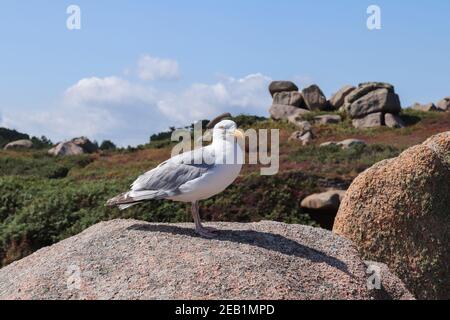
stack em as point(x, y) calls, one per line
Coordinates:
point(165, 180)
point(173, 173)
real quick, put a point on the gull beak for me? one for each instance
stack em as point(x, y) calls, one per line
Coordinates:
point(239, 134)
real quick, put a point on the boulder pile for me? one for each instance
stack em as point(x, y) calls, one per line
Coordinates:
point(289, 103)
point(373, 104)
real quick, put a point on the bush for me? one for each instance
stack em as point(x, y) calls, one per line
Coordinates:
point(8, 135)
point(32, 167)
point(367, 154)
point(107, 145)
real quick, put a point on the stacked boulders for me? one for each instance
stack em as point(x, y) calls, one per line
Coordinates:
point(373, 104)
point(290, 104)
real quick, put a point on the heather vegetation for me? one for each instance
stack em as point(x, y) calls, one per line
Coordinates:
point(44, 199)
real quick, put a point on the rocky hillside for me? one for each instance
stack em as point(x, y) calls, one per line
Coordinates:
point(129, 259)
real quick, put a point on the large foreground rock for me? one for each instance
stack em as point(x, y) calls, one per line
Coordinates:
point(128, 259)
point(398, 213)
point(391, 287)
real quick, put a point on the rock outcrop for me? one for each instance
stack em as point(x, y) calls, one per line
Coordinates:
point(282, 86)
point(338, 99)
point(67, 148)
point(74, 147)
point(292, 98)
point(87, 145)
point(370, 103)
point(19, 144)
point(288, 103)
point(282, 112)
point(398, 213)
point(424, 107)
point(444, 104)
point(314, 98)
point(128, 259)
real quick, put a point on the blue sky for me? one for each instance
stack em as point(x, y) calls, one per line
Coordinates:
point(137, 67)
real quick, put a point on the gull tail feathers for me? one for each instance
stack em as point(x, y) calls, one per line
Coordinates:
point(128, 199)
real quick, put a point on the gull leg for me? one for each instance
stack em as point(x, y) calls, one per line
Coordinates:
point(202, 231)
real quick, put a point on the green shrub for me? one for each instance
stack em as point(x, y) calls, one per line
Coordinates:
point(355, 156)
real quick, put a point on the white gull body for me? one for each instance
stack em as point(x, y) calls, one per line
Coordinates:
point(192, 176)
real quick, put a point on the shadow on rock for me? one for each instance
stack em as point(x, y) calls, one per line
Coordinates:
point(268, 241)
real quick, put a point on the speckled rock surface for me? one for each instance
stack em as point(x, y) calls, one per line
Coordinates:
point(398, 212)
point(128, 259)
point(391, 287)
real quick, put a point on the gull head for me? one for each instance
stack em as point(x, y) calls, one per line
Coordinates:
point(226, 130)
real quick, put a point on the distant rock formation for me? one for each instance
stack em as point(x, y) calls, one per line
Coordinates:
point(74, 147)
point(338, 99)
point(288, 102)
point(444, 104)
point(282, 86)
point(314, 98)
point(398, 213)
point(19, 144)
point(424, 107)
point(66, 149)
point(128, 259)
point(370, 102)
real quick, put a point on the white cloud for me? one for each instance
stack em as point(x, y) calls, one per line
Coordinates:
point(128, 112)
point(152, 68)
point(107, 91)
point(245, 95)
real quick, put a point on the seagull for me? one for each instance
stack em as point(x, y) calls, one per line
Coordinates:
point(191, 176)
